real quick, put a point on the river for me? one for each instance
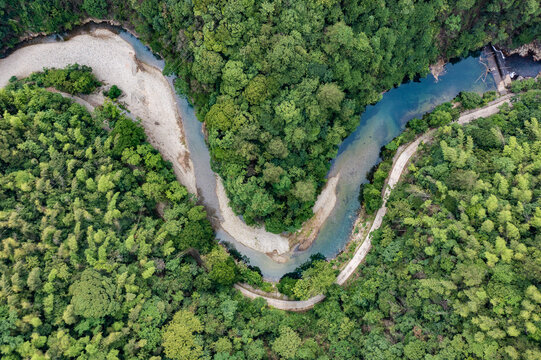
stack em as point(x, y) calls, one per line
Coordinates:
point(359, 152)
point(356, 156)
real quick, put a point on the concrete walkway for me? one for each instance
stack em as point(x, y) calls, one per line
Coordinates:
point(290, 305)
point(400, 162)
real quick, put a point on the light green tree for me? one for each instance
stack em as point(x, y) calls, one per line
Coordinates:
point(178, 337)
point(287, 344)
point(93, 295)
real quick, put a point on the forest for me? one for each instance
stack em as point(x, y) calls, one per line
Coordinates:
point(279, 83)
point(105, 256)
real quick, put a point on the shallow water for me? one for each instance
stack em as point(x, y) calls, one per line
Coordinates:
point(358, 153)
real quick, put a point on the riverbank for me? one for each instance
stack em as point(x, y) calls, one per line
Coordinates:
point(327, 232)
point(149, 96)
point(400, 161)
point(325, 203)
point(147, 93)
point(275, 246)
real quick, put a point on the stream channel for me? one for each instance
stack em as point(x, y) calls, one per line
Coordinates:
point(358, 153)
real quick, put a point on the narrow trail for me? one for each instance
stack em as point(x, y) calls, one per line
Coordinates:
point(400, 162)
point(147, 91)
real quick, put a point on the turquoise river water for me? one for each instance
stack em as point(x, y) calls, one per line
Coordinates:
point(358, 153)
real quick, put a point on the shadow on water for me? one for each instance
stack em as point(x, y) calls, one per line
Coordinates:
point(523, 66)
point(358, 153)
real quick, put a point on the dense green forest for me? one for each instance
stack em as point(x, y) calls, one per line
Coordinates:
point(458, 257)
point(98, 261)
point(280, 83)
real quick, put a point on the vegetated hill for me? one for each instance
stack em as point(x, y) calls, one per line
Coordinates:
point(281, 83)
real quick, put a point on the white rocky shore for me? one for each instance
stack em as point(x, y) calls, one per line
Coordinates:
point(147, 92)
point(148, 96)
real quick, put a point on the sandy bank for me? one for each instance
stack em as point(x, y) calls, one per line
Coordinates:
point(323, 207)
point(147, 92)
point(149, 96)
point(276, 246)
point(255, 238)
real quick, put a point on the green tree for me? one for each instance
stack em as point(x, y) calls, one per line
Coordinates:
point(233, 78)
point(34, 279)
point(222, 268)
point(93, 295)
point(178, 337)
point(315, 280)
point(96, 8)
point(304, 191)
point(208, 66)
point(330, 96)
point(126, 134)
point(287, 344)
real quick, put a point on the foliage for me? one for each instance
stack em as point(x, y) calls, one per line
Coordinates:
point(82, 240)
point(113, 93)
point(221, 266)
point(466, 276)
point(469, 100)
point(178, 337)
point(287, 282)
point(126, 134)
point(95, 8)
point(315, 280)
point(93, 295)
point(73, 79)
point(280, 84)
point(525, 85)
point(453, 272)
point(287, 344)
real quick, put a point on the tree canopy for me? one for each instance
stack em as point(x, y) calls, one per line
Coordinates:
point(281, 84)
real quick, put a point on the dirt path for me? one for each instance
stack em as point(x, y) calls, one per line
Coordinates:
point(491, 109)
point(399, 164)
point(282, 304)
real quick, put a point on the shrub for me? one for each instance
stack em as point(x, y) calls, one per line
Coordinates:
point(126, 134)
point(470, 100)
point(113, 93)
point(372, 198)
point(418, 125)
point(95, 8)
point(73, 79)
